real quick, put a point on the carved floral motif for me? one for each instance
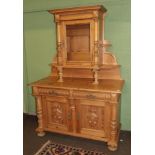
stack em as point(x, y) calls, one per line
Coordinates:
point(57, 113)
point(92, 118)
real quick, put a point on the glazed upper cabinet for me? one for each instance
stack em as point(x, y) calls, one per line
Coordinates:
point(79, 38)
point(81, 96)
point(78, 41)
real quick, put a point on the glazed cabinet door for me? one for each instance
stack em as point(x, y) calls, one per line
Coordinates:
point(93, 118)
point(56, 111)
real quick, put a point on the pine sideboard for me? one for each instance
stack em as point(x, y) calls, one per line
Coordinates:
point(81, 96)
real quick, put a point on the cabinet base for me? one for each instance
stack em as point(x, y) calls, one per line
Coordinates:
point(111, 147)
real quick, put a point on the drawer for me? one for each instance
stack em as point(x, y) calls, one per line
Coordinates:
point(92, 95)
point(53, 92)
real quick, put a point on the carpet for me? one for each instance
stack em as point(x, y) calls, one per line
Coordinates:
point(52, 148)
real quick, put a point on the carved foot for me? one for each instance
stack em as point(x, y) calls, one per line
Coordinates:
point(112, 148)
point(41, 134)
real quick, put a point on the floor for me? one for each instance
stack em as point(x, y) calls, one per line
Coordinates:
point(31, 142)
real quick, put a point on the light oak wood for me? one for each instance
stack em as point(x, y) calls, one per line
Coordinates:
point(81, 96)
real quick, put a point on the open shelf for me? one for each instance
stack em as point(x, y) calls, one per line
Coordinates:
point(78, 42)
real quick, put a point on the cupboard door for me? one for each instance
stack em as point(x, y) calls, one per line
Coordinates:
point(56, 110)
point(91, 118)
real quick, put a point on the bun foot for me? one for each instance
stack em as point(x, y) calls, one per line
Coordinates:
point(112, 148)
point(41, 134)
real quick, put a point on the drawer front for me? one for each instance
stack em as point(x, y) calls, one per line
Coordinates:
point(92, 95)
point(53, 92)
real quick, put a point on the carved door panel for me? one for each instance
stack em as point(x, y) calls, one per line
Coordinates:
point(92, 118)
point(56, 110)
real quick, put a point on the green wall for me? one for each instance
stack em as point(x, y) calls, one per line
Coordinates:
point(39, 44)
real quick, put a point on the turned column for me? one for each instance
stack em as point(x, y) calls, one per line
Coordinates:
point(96, 47)
point(73, 112)
point(40, 129)
point(59, 49)
point(112, 144)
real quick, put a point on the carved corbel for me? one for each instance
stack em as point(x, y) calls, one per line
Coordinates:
point(114, 97)
point(95, 15)
point(57, 19)
point(35, 91)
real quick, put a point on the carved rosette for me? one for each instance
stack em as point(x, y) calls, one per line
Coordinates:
point(57, 113)
point(35, 91)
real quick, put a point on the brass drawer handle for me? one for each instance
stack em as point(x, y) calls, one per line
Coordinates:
point(91, 96)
